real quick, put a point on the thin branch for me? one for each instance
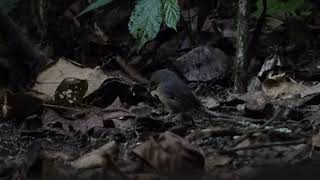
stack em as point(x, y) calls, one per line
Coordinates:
point(276, 116)
point(266, 145)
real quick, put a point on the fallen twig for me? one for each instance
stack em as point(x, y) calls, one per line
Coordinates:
point(62, 107)
point(223, 117)
point(258, 146)
point(277, 116)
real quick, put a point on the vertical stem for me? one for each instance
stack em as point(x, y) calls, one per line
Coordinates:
point(241, 62)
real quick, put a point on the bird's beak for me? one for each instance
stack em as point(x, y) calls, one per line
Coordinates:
point(154, 93)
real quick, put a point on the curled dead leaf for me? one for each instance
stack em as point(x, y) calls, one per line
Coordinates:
point(170, 153)
point(101, 157)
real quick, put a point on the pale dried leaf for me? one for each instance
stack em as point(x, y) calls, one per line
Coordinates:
point(50, 78)
point(101, 157)
point(282, 86)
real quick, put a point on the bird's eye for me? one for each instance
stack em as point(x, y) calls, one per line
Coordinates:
point(152, 86)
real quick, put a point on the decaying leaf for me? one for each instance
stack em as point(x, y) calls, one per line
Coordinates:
point(210, 102)
point(51, 77)
point(217, 160)
point(101, 157)
point(315, 140)
point(282, 86)
point(89, 165)
point(54, 121)
point(141, 110)
point(117, 104)
point(88, 119)
point(170, 153)
point(70, 92)
point(273, 61)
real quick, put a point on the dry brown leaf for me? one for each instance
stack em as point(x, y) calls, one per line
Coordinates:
point(170, 153)
point(217, 160)
point(209, 102)
point(70, 92)
point(101, 157)
point(279, 86)
point(315, 140)
point(282, 86)
point(52, 120)
point(50, 78)
point(115, 104)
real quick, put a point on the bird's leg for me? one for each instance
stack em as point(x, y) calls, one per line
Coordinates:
point(169, 116)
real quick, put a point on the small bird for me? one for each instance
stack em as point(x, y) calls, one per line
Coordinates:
point(173, 92)
point(178, 98)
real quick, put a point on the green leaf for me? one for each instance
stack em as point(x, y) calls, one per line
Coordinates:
point(292, 5)
point(276, 7)
point(145, 20)
point(7, 5)
point(95, 5)
point(171, 13)
point(306, 8)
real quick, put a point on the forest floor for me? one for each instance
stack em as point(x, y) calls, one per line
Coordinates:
point(115, 128)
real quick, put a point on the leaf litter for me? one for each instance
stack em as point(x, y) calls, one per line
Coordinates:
point(106, 124)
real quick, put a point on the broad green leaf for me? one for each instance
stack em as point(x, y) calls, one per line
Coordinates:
point(292, 5)
point(7, 5)
point(171, 13)
point(145, 20)
point(95, 5)
point(306, 8)
point(275, 7)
